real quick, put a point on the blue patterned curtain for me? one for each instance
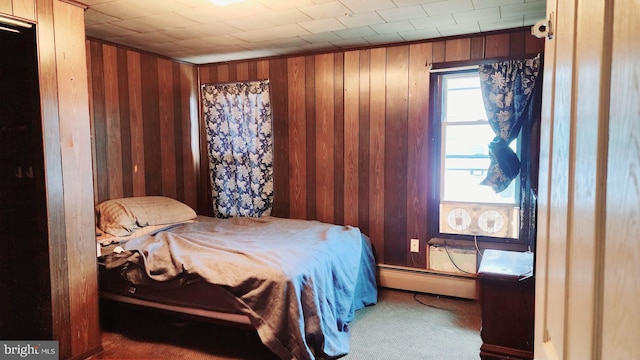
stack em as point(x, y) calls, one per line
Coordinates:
point(507, 90)
point(239, 137)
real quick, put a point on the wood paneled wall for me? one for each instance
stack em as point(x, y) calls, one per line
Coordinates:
point(350, 130)
point(64, 110)
point(145, 124)
point(351, 133)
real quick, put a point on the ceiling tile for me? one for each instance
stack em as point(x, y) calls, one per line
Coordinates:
point(325, 37)
point(121, 9)
point(96, 17)
point(459, 29)
point(284, 17)
point(394, 27)
point(384, 39)
point(358, 32)
point(324, 25)
point(154, 23)
point(106, 31)
point(361, 19)
point(255, 35)
point(285, 4)
point(519, 9)
point(476, 15)
point(428, 33)
point(446, 7)
point(348, 43)
point(326, 10)
point(284, 31)
point(202, 30)
point(481, 4)
point(498, 24)
point(404, 13)
point(433, 21)
point(361, 6)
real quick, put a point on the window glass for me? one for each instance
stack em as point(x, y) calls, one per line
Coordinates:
point(463, 99)
point(465, 138)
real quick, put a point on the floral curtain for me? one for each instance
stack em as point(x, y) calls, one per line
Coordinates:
point(507, 90)
point(239, 137)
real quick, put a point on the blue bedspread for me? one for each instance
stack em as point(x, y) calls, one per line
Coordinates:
point(299, 281)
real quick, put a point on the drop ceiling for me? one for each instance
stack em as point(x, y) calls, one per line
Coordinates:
point(200, 32)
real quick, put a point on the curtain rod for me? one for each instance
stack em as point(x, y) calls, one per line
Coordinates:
point(456, 68)
point(474, 64)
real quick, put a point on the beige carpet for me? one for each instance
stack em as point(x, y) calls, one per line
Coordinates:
point(403, 325)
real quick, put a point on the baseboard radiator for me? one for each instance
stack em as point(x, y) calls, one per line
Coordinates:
point(403, 278)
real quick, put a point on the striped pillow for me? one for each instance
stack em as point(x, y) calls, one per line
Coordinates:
point(121, 217)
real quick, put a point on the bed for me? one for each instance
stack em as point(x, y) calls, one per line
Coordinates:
point(298, 283)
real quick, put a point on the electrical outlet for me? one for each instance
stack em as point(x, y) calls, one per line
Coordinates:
point(415, 245)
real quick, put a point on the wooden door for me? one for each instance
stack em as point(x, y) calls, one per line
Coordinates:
point(588, 205)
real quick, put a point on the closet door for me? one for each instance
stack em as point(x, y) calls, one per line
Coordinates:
point(25, 300)
point(588, 257)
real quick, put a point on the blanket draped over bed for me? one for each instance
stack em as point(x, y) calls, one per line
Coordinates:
point(298, 281)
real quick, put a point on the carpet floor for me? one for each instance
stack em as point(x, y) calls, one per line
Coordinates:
point(403, 325)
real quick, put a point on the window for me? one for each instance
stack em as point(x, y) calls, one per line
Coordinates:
point(465, 135)
point(465, 207)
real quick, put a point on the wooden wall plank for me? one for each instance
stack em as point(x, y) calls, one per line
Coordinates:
point(279, 109)
point(418, 151)
point(190, 136)
point(167, 129)
point(477, 47)
point(252, 70)
point(297, 138)
point(377, 111)
point(151, 126)
point(242, 71)
point(325, 187)
point(533, 45)
point(233, 72)
point(75, 144)
point(222, 72)
point(497, 45)
point(310, 118)
point(338, 139)
point(136, 130)
point(91, 121)
point(48, 80)
point(203, 74)
point(205, 205)
point(99, 115)
point(458, 49)
point(178, 101)
point(6, 7)
point(112, 108)
point(125, 125)
point(395, 157)
point(262, 70)
point(364, 148)
point(351, 136)
point(439, 51)
point(25, 9)
point(516, 43)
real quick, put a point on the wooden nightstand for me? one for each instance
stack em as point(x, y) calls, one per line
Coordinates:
point(506, 285)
